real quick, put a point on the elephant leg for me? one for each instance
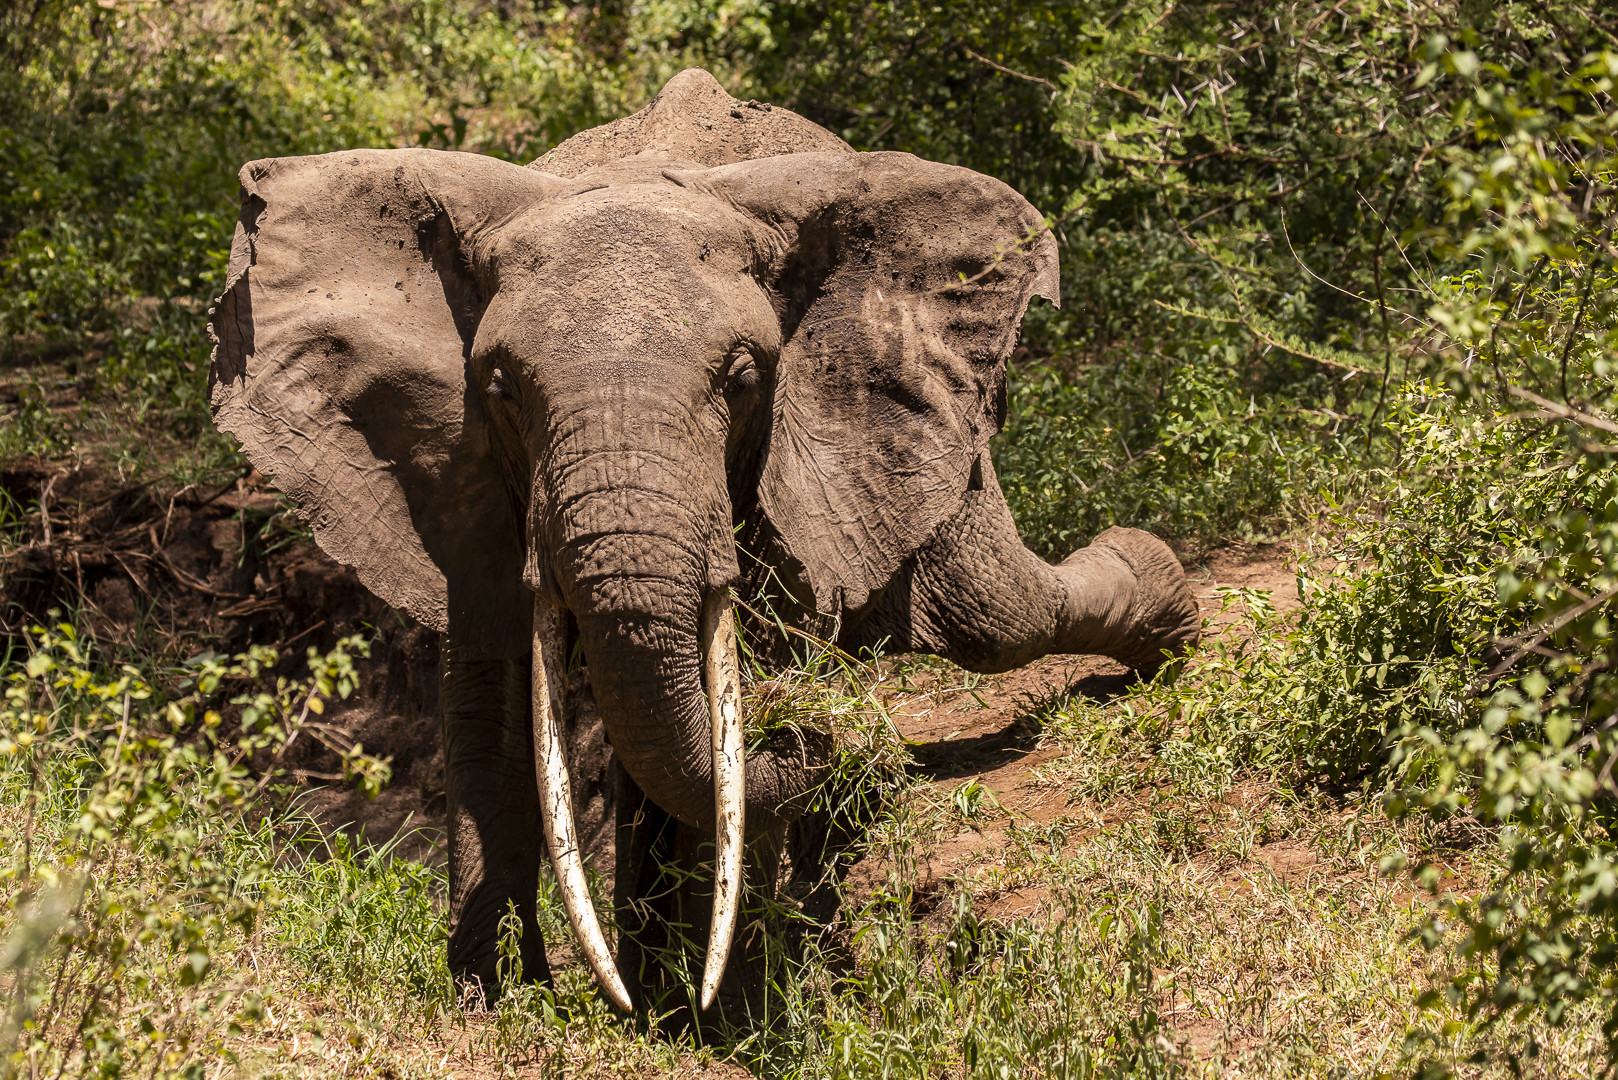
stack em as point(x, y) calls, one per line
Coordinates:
point(495, 836)
point(665, 904)
point(644, 842)
point(975, 595)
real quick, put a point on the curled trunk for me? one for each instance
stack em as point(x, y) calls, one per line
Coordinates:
point(647, 672)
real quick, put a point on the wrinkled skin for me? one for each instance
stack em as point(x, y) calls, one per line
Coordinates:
point(583, 380)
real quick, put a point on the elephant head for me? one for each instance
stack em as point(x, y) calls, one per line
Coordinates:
point(506, 396)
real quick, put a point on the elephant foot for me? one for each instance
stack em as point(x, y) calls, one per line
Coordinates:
point(1162, 614)
point(475, 962)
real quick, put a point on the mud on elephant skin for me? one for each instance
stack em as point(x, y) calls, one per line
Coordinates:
point(535, 408)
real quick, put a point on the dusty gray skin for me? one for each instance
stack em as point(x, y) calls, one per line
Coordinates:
point(491, 385)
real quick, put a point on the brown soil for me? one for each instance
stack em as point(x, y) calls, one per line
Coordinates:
point(986, 735)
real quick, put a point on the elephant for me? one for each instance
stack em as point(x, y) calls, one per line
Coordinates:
point(543, 409)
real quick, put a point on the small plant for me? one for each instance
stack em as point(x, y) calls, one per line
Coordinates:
point(973, 801)
point(145, 860)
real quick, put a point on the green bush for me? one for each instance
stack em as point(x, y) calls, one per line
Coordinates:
point(145, 860)
point(1184, 451)
point(1454, 655)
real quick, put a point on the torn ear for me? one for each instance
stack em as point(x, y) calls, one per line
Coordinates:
point(902, 284)
point(355, 286)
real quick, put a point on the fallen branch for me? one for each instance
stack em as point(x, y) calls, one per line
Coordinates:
point(162, 557)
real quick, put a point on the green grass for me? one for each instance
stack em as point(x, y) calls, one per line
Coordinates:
point(1194, 915)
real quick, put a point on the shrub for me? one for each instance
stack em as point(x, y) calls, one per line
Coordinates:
point(146, 857)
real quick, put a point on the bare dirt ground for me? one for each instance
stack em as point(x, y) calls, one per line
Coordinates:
point(984, 735)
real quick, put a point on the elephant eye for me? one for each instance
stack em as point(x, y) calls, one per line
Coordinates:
point(740, 372)
point(498, 387)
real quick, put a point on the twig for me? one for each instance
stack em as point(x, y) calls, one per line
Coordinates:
point(1272, 342)
point(1310, 270)
point(45, 506)
point(1015, 74)
point(1564, 412)
point(288, 642)
point(137, 581)
point(1533, 644)
point(1567, 346)
point(250, 607)
point(184, 578)
point(168, 516)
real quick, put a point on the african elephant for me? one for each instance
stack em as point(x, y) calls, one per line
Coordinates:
point(539, 407)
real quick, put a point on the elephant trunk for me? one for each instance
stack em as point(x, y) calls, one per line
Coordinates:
point(647, 670)
point(638, 526)
point(643, 556)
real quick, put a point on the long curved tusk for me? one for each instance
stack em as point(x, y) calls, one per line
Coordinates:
point(723, 671)
point(556, 802)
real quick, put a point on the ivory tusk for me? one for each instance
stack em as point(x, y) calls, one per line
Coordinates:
point(723, 675)
point(556, 802)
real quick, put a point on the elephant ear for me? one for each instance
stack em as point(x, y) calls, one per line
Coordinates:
point(341, 363)
point(902, 284)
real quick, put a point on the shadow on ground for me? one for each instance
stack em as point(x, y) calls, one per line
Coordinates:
point(985, 751)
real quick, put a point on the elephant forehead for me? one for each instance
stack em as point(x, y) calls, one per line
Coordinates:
point(644, 328)
point(657, 221)
point(645, 272)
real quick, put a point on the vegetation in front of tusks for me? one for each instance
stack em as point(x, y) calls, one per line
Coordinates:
point(1341, 275)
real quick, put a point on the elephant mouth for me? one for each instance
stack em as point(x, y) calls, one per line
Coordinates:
point(722, 684)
